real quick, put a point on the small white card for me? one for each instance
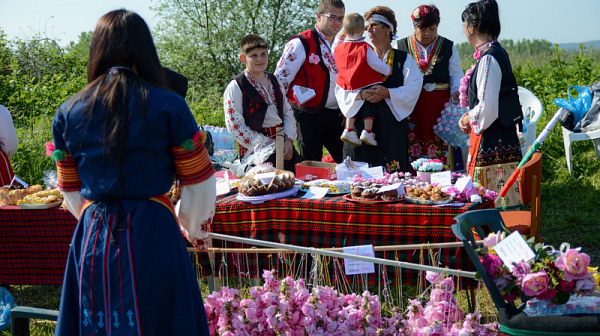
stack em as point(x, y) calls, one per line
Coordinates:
point(359, 267)
point(223, 187)
point(266, 178)
point(514, 249)
point(316, 193)
point(395, 186)
point(464, 183)
point(16, 178)
point(373, 172)
point(442, 178)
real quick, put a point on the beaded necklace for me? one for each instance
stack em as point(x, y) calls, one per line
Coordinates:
point(425, 64)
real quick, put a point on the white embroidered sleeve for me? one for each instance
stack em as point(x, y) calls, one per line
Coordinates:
point(456, 73)
point(404, 98)
point(289, 120)
point(289, 64)
point(234, 117)
point(9, 142)
point(195, 211)
point(377, 64)
point(488, 81)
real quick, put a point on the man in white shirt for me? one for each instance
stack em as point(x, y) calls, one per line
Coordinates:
point(307, 72)
point(9, 143)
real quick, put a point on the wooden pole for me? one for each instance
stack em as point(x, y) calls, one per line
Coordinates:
point(279, 143)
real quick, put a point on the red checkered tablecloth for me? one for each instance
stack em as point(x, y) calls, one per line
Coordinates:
point(34, 243)
point(335, 222)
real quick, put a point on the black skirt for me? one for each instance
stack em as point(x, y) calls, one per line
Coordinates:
point(392, 142)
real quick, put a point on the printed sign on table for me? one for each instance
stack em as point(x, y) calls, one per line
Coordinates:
point(442, 178)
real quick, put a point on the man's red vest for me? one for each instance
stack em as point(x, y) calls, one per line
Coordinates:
point(353, 70)
point(314, 76)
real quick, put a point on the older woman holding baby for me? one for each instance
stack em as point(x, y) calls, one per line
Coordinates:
point(400, 90)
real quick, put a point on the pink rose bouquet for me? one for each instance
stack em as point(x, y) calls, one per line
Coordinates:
point(548, 276)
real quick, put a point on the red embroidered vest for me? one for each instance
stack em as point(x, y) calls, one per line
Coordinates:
point(353, 70)
point(314, 76)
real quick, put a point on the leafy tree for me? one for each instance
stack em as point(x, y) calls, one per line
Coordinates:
point(200, 38)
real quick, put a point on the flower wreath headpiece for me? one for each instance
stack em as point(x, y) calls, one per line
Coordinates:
point(419, 13)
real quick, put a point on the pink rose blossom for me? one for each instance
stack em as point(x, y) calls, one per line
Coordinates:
point(535, 283)
point(433, 277)
point(492, 239)
point(492, 264)
point(574, 264)
point(521, 269)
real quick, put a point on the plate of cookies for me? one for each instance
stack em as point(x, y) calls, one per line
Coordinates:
point(370, 194)
point(428, 195)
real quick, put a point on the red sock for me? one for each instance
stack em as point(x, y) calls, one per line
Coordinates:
point(350, 129)
point(369, 131)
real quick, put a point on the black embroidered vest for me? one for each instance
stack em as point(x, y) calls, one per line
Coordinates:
point(254, 106)
point(441, 70)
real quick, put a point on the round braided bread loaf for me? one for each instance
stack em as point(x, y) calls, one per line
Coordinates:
point(251, 185)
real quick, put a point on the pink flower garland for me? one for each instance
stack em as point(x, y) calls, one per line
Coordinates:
point(464, 82)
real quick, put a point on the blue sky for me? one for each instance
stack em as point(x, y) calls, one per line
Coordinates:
point(554, 20)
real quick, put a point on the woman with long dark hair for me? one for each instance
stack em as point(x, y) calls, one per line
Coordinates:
point(494, 151)
point(120, 142)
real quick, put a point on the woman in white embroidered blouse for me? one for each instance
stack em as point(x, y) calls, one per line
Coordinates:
point(494, 150)
point(9, 143)
point(400, 90)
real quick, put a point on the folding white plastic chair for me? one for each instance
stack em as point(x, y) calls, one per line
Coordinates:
point(569, 137)
point(530, 101)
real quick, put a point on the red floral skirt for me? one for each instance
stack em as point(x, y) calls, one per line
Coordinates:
point(6, 172)
point(422, 141)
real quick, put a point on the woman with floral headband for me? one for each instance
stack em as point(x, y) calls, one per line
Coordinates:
point(494, 150)
point(439, 64)
point(400, 90)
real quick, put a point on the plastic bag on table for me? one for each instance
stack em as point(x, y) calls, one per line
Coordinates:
point(259, 153)
point(7, 302)
point(50, 179)
point(255, 156)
